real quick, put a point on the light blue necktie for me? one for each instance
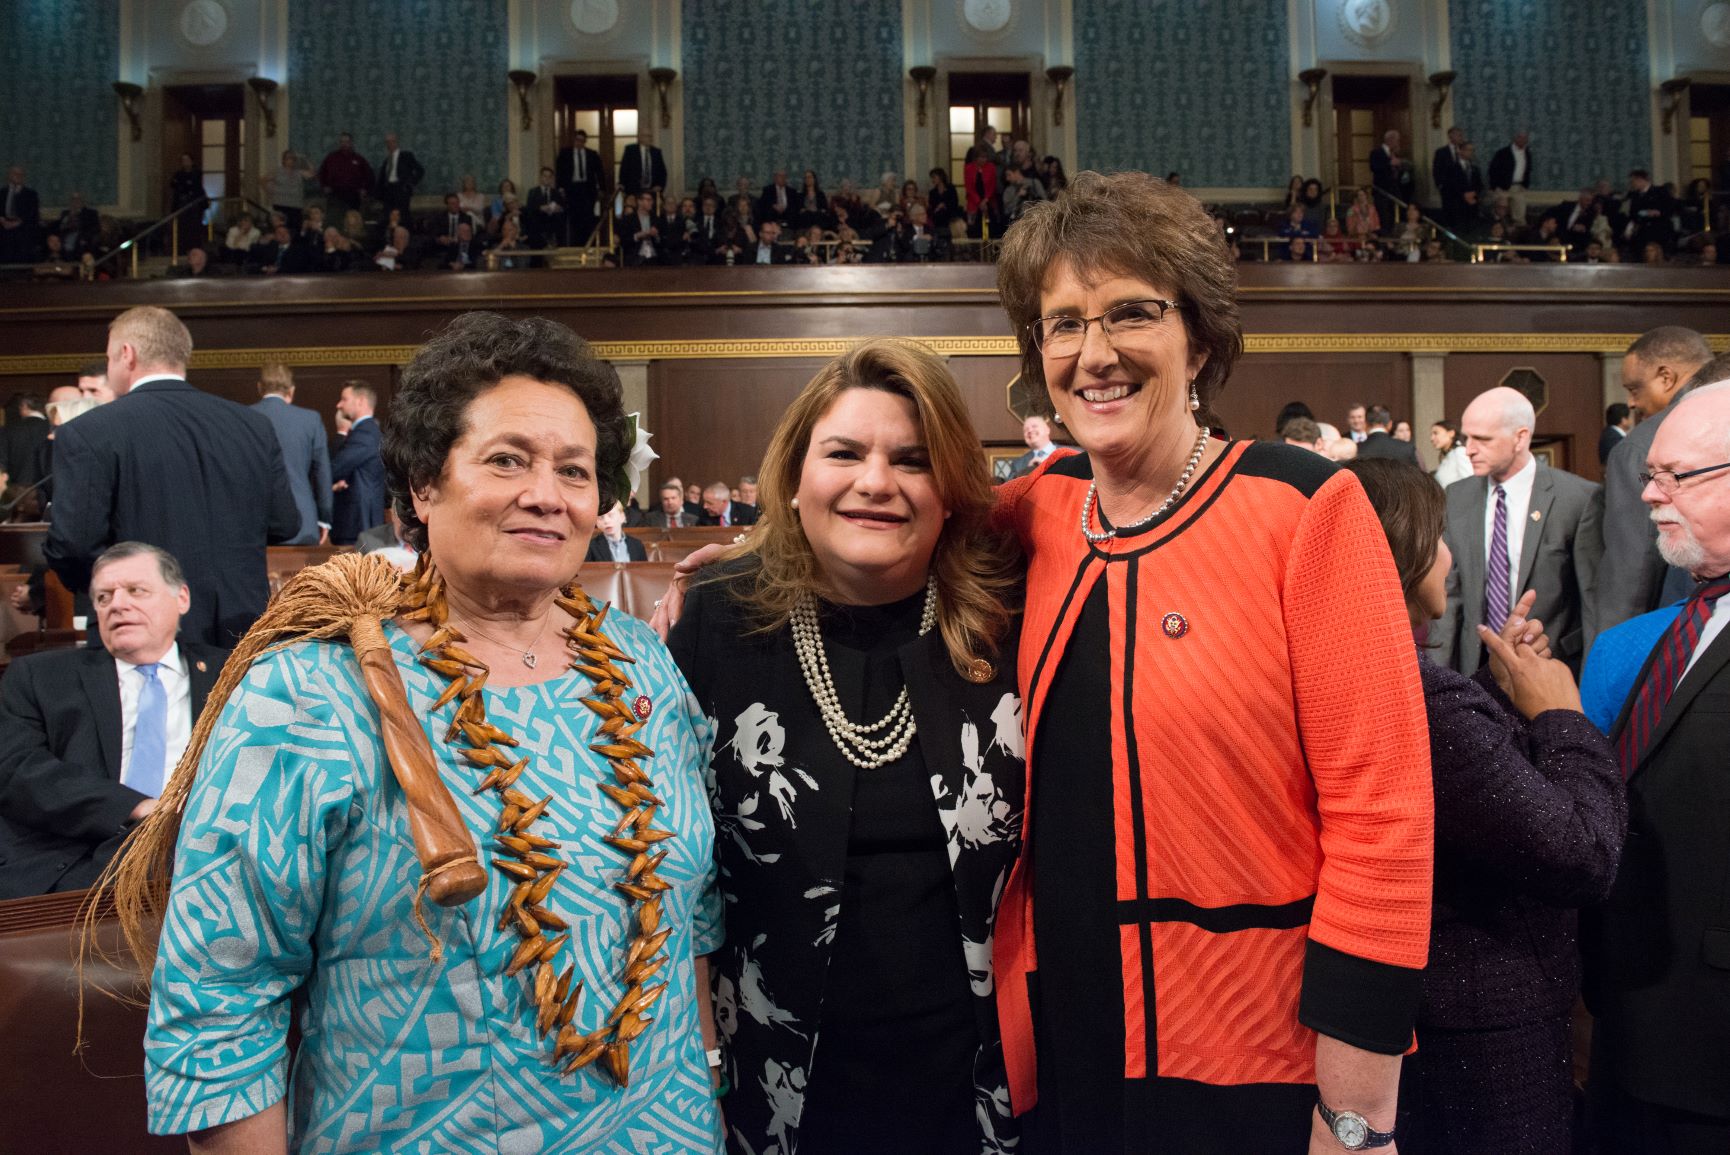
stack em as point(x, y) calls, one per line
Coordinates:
point(150, 735)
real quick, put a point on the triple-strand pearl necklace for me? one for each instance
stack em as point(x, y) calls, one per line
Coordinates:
point(866, 746)
point(1092, 498)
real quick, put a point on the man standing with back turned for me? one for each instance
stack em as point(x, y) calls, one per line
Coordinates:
point(165, 464)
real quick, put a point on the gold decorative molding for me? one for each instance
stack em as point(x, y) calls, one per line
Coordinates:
point(50, 364)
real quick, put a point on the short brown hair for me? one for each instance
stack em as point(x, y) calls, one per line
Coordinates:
point(1134, 225)
point(276, 378)
point(1301, 429)
point(978, 570)
point(362, 390)
point(156, 335)
point(1412, 510)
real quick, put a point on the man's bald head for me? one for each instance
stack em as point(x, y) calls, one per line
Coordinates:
point(1694, 517)
point(1498, 426)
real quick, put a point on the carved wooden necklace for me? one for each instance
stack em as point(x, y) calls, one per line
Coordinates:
point(528, 861)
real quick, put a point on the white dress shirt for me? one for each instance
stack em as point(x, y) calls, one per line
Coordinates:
point(1519, 496)
point(171, 672)
point(1454, 466)
point(156, 377)
point(1519, 163)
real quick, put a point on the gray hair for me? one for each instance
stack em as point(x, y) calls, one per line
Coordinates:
point(718, 489)
point(165, 561)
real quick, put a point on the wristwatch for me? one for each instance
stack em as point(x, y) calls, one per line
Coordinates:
point(1352, 1130)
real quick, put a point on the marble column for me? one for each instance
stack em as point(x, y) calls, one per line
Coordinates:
point(1429, 401)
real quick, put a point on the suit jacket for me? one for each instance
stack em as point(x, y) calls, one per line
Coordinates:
point(408, 173)
point(62, 807)
point(657, 518)
point(439, 224)
point(639, 173)
point(1502, 168)
point(1658, 951)
point(766, 210)
point(737, 514)
point(1633, 576)
point(1388, 178)
point(199, 476)
point(361, 505)
point(21, 444)
point(1446, 172)
point(306, 458)
point(1382, 444)
point(598, 550)
point(473, 257)
point(565, 173)
point(1559, 556)
point(538, 224)
point(1608, 438)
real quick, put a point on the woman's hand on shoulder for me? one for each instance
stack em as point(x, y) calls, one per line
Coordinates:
point(672, 603)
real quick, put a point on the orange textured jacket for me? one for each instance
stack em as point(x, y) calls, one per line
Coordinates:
point(1274, 819)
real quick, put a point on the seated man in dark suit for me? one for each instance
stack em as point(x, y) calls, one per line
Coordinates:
point(768, 250)
point(670, 514)
point(280, 254)
point(357, 468)
point(1378, 442)
point(778, 202)
point(88, 737)
point(719, 508)
point(465, 253)
point(544, 217)
point(612, 543)
point(441, 228)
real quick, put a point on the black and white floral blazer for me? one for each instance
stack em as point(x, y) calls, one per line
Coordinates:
point(781, 839)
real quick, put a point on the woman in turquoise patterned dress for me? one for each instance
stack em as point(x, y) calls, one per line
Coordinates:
point(555, 1012)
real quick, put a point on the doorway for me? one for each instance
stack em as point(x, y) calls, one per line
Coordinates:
point(1366, 107)
point(981, 99)
point(208, 123)
point(1708, 148)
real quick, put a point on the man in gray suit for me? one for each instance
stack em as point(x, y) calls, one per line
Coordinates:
point(1516, 525)
point(305, 452)
point(1632, 581)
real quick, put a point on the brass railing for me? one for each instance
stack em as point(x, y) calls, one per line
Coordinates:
point(1559, 252)
point(132, 244)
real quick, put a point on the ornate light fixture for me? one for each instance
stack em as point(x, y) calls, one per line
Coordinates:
point(264, 88)
point(524, 81)
point(1311, 79)
point(1441, 83)
point(663, 80)
point(922, 76)
point(1060, 76)
point(129, 94)
point(1672, 90)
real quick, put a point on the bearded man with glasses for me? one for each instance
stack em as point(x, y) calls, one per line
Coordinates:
point(1658, 952)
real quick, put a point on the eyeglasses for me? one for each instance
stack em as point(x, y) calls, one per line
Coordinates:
point(1064, 336)
point(1669, 481)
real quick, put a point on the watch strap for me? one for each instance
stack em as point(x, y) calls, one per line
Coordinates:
point(1372, 1137)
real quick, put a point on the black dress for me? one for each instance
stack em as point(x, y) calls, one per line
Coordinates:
point(853, 993)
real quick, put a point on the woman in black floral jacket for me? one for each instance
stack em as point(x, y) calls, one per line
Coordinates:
point(856, 656)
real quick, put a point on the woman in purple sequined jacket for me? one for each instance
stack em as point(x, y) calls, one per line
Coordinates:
point(1530, 817)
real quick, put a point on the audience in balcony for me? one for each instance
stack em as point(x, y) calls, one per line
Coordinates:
point(186, 186)
point(345, 175)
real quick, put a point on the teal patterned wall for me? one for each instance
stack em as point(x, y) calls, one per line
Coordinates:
point(1199, 87)
point(431, 70)
point(792, 84)
point(1573, 71)
point(58, 111)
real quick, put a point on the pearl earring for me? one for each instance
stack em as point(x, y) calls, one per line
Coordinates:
point(795, 503)
point(1057, 417)
point(1194, 401)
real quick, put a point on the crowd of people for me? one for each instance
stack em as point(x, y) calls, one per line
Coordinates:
point(1182, 791)
point(348, 215)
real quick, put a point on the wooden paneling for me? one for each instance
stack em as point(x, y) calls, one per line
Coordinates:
point(1329, 383)
point(1575, 412)
point(712, 419)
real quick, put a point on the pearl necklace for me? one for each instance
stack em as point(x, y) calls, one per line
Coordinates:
point(855, 741)
point(1176, 492)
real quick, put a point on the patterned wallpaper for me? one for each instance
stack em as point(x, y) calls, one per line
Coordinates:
point(792, 83)
point(1573, 71)
point(1195, 86)
point(431, 70)
point(71, 50)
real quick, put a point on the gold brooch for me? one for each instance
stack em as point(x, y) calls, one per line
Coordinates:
point(979, 671)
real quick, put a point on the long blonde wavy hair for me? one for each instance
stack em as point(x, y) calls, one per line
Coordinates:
point(978, 569)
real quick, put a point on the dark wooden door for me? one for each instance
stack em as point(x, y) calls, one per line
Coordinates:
point(1365, 107)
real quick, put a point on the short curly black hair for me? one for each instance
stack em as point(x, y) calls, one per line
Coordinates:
point(429, 410)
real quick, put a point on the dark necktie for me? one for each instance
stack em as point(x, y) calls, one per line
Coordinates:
point(1674, 650)
point(1496, 581)
point(580, 165)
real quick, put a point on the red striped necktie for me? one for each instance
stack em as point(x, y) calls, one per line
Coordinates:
point(1674, 650)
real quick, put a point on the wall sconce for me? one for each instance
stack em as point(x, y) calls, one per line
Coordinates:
point(1060, 76)
point(1441, 83)
point(1311, 79)
point(523, 81)
point(1672, 99)
point(922, 75)
point(663, 79)
point(129, 94)
point(264, 88)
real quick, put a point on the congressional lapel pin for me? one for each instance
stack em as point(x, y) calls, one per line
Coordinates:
point(200, 666)
point(1174, 625)
point(1537, 515)
point(642, 707)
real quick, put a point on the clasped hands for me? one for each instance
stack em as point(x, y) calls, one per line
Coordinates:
point(1521, 664)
